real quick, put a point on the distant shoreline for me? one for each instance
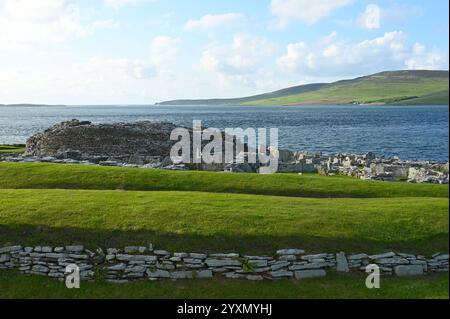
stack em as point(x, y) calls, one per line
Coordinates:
point(30, 105)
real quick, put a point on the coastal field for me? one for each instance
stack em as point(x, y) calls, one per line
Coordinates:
point(12, 148)
point(371, 90)
point(58, 204)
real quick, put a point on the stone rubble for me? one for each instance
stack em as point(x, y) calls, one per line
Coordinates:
point(147, 145)
point(137, 263)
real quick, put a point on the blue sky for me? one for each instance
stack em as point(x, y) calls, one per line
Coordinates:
point(144, 51)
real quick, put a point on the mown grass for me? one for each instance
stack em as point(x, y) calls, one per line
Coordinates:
point(217, 212)
point(12, 148)
point(197, 221)
point(333, 286)
point(50, 176)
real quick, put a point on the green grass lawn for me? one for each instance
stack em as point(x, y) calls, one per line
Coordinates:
point(49, 176)
point(196, 221)
point(333, 286)
point(12, 148)
point(218, 212)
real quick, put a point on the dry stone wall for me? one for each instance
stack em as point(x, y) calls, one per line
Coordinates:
point(135, 263)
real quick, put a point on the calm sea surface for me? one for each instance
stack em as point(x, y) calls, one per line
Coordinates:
point(411, 132)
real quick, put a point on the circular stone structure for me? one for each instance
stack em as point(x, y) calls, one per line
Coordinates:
point(113, 140)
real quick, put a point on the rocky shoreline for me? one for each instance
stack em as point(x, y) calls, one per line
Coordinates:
point(144, 262)
point(147, 145)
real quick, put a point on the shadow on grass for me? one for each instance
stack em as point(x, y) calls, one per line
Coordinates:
point(246, 244)
point(352, 285)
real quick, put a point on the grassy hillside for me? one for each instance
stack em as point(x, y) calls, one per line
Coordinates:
point(243, 100)
point(438, 98)
point(382, 88)
point(396, 87)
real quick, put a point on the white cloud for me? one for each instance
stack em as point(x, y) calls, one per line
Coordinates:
point(100, 68)
point(164, 51)
point(374, 15)
point(243, 55)
point(334, 58)
point(53, 78)
point(106, 24)
point(27, 22)
point(370, 18)
point(423, 60)
point(210, 21)
point(117, 4)
point(95, 79)
point(303, 10)
point(241, 66)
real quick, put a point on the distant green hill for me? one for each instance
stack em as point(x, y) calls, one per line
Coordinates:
point(272, 95)
point(392, 88)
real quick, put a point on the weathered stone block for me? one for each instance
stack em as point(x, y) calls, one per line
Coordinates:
point(342, 264)
point(10, 249)
point(182, 275)
point(204, 274)
point(280, 265)
point(409, 270)
point(159, 273)
point(281, 273)
point(290, 252)
point(75, 248)
point(302, 274)
point(222, 262)
point(380, 256)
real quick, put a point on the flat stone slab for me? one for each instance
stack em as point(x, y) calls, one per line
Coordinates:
point(408, 270)
point(392, 261)
point(10, 249)
point(203, 274)
point(380, 256)
point(281, 273)
point(290, 251)
point(158, 274)
point(309, 266)
point(358, 257)
point(125, 257)
point(75, 248)
point(225, 255)
point(302, 274)
point(182, 275)
point(222, 262)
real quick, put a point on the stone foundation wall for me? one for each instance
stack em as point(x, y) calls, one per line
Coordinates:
point(134, 263)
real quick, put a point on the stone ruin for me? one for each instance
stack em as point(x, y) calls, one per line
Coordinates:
point(82, 139)
point(148, 145)
point(141, 144)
